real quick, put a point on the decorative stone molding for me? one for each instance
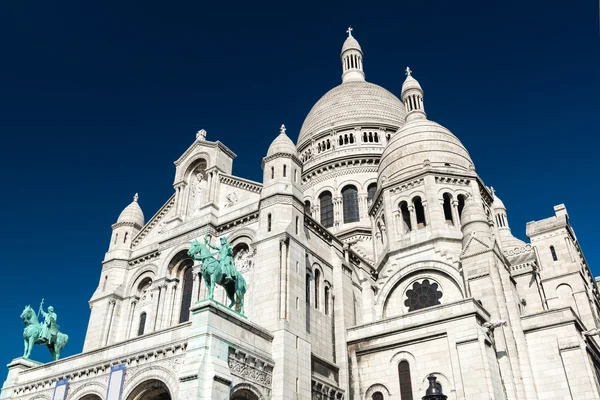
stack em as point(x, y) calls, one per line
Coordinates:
point(153, 221)
point(238, 222)
point(518, 250)
point(250, 367)
point(406, 186)
point(144, 258)
point(324, 390)
point(240, 183)
point(452, 180)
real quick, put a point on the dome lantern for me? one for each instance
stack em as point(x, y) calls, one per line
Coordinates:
point(412, 96)
point(352, 59)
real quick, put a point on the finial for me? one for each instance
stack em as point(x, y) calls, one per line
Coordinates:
point(136, 197)
point(282, 129)
point(201, 134)
point(408, 71)
point(492, 190)
point(349, 31)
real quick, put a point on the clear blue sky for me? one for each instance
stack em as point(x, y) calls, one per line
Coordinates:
point(97, 99)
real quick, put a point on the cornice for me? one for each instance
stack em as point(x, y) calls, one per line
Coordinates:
point(241, 183)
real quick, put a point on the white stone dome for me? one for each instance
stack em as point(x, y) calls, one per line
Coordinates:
point(132, 213)
point(422, 143)
point(353, 103)
point(351, 43)
point(282, 144)
point(410, 83)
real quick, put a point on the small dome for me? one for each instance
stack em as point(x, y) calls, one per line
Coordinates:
point(351, 44)
point(132, 213)
point(410, 83)
point(353, 103)
point(282, 144)
point(498, 204)
point(419, 144)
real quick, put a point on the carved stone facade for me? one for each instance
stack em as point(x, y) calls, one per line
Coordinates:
point(374, 256)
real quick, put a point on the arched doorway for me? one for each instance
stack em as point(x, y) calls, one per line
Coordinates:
point(152, 389)
point(244, 394)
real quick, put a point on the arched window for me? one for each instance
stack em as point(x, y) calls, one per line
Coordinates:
point(307, 207)
point(371, 191)
point(352, 138)
point(328, 144)
point(370, 136)
point(326, 300)
point(142, 324)
point(341, 141)
point(377, 396)
point(554, 257)
point(272, 172)
point(422, 295)
point(365, 138)
point(317, 287)
point(405, 217)
point(376, 137)
point(448, 208)
point(461, 204)
point(350, 206)
point(295, 175)
point(125, 238)
point(116, 237)
point(326, 209)
point(186, 295)
point(284, 171)
point(406, 392)
point(346, 138)
point(269, 223)
point(105, 282)
point(503, 220)
point(297, 224)
point(420, 212)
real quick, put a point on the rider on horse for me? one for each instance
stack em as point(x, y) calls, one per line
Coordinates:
point(49, 328)
point(225, 257)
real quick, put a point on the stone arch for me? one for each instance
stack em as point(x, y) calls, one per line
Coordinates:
point(148, 271)
point(187, 166)
point(241, 387)
point(87, 389)
point(245, 235)
point(166, 260)
point(327, 188)
point(40, 396)
point(407, 275)
point(376, 387)
point(154, 373)
point(395, 360)
point(348, 182)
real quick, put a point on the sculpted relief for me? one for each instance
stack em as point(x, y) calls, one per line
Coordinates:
point(197, 189)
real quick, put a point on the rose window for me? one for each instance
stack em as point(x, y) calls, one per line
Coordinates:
point(422, 295)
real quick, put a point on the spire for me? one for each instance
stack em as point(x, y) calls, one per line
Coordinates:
point(136, 197)
point(352, 59)
point(412, 96)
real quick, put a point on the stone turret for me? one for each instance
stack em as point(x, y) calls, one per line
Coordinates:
point(129, 224)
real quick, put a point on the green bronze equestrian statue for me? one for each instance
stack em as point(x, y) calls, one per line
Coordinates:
point(42, 333)
point(220, 271)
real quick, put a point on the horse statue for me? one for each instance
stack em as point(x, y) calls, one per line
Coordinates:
point(213, 273)
point(32, 335)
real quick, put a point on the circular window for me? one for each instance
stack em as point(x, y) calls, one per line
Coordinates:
point(422, 295)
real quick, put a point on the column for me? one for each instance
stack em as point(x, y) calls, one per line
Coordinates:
point(413, 217)
point(172, 304)
point(425, 213)
point(131, 317)
point(176, 305)
point(111, 312)
point(154, 308)
point(455, 216)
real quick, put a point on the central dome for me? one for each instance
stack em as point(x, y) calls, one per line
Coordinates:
point(353, 103)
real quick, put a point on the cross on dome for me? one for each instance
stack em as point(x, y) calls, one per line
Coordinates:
point(408, 71)
point(136, 197)
point(349, 31)
point(282, 129)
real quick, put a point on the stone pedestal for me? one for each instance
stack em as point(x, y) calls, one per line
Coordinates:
point(225, 351)
point(15, 368)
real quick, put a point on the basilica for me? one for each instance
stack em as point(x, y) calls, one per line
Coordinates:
point(378, 265)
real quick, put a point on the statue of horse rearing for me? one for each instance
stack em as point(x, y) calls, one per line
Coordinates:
point(212, 274)
point(32, 335)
